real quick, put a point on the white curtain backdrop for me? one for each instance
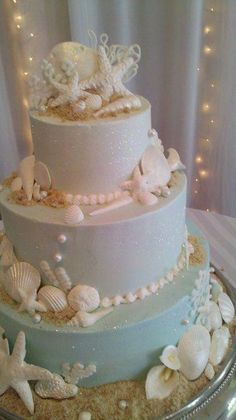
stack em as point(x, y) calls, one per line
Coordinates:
point(187, 71)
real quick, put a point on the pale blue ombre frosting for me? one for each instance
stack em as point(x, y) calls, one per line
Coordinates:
point(125, 344)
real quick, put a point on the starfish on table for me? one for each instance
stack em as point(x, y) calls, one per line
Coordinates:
point(68, 93)
point(29, 302)
point(16, 373)
point(107, 81)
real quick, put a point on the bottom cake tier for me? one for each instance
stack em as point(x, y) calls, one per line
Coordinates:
point(127, 342)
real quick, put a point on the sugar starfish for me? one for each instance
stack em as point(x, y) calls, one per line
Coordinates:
point(29, 302)
point(141, 187)
point(108, 79)
point(16, 373)
point(68, 93)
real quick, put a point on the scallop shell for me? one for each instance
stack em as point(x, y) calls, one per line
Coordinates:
point(219, 345)
point(94, 102)
point(157, 385)
point(174, 161)
point(226, 307)
point(42, 175)
point(170, 358)
point(215, 318)
point(73, 215)
point(84, 298)
point(193, 351)
point(216, 290)
point(155, 164)
point(16, 184)
point(55, 388)
point(53, 298)
point(84, 58)
point(21, 275)
point(26, 172)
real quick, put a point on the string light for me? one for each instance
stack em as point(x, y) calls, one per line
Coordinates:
point(198, 68)
point(212, 121)
point(31, 34)
point(207, 49)
point(212, 85)
point(18, 26)
point(196, 179)
point(199, 159)
point(207, 30)
point(212, 10)
point(30, 58)
point(205, 107)
point(196, 192)
point(203, 173)
point(25, 73)
point(18, 18)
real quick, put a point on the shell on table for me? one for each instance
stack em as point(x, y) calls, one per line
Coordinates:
point(21, 275)
point(193, 351)
point(84, 298)
point(226, 307)
point(219, 345)
point(16, 184)
point(155, 165)
point(160, 382)
point(55, 388)
point(53, 299)
point(26, 172)
point(73, 215)
point(42, 175)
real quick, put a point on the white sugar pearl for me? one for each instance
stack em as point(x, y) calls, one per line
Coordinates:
point(61, 239)
point(57, 257)
point(37, 318)
point(122, 404)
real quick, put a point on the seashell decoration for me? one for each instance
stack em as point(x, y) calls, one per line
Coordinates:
point(155, 165)
point(36, 192)
point(85, 415)
point(63, 279)
point(48, 272)
point(93, 102)
point(7, 253)
point(83, 58)
point(170, 358)
point(73, 215)
point(209, 371)
point(193, 351)
point(26, 172)
point(16, 184)
point(219, 345)
point(216, 289)
point(52, 298)
point(125, 104)
point(160, 382)
point(84, 298)
point(42, 175)
point(85, 319)
point(174, 161)
point(55, 388)
point(146, 198)
point(120, 202)
point(226, 307)
point(215, 318)
point(21, 275)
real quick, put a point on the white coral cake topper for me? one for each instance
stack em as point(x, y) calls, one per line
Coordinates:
point(88, 80)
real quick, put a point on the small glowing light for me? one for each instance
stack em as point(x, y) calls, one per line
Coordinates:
point(30, 58)
point(31, 34)
point(207, 50)
point(25, 102)
point(205, 107)
point(199, 159)
point(25, 73)
point(207, 140)
point(212, 85)
point(18, 26)
point(207, 210)
point(14, 1)
point(198, 68)
point(212, 121)
point(203, 173)
point(19, 17)
point(207, 29)
point(196, 179)
point(212, 10)
point(196, 192)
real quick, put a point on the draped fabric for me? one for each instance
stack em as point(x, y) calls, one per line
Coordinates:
point(187, 72)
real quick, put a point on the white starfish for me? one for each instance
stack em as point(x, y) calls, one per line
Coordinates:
point(29, 302)
point(142, 187)
point(68, 93)
point(107, 81)
point(16, 373)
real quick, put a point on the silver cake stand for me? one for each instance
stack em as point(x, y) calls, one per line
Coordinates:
point(217, 401)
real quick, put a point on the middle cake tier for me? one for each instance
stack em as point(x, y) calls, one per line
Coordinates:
point(117, 252)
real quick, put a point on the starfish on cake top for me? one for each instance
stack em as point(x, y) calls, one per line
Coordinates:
point(15, 372)
point(29, 303)
point(107, 81)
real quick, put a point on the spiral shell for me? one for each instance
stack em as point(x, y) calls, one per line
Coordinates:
point(226, 307)
point(73, 215)
point(21, 275)
point(84, 298)
point(193, 351)
point(53, 298)
point(55, 388)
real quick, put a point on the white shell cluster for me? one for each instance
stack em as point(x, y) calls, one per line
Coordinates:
point(52, 298)
point(21, 275)
point(73, 215)
point(55, 388)
point(84, 298)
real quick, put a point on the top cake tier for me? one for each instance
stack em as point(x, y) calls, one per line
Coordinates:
point(92, 156)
